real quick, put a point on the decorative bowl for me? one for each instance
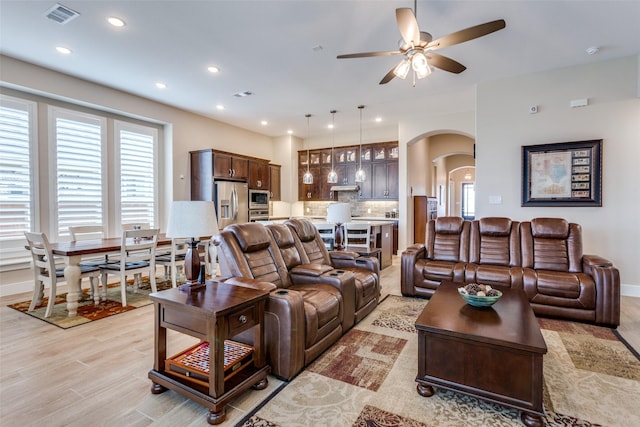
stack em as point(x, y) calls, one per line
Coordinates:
point(480, 300)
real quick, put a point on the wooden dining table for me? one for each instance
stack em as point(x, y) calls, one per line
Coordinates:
point(73, 252)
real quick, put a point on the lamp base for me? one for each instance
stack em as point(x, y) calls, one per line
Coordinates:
point(339, 238)
point(192, 261)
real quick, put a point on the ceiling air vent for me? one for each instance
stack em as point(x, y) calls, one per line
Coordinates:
point(243, 94)
point(61, 14)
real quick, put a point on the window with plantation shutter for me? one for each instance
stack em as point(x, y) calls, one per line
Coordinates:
point(138, 189)
point(17, 145)
point(79, 185)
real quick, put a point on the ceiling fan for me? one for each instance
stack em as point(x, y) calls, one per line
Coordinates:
point(418, 47)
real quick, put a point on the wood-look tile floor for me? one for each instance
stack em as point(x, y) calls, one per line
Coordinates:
point(96, 374)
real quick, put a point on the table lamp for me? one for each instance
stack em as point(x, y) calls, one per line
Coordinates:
point(192, 219)
point(339, 214)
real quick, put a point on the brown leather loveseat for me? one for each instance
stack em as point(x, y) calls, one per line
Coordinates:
point(310, 305)
point(542, 256)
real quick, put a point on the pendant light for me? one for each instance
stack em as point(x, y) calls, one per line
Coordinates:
point(332, 178)
point(360, 175)
point(307, 178)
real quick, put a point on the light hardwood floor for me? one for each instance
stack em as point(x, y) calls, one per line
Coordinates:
point(96, 374)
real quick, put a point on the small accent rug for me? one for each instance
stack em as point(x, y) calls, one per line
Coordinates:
point(87, 310)
point(368, 379)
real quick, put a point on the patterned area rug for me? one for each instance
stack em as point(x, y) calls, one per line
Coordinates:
point(368, 379)
point(87, 310)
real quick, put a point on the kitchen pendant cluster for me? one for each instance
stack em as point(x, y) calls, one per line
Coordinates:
point(332, 177)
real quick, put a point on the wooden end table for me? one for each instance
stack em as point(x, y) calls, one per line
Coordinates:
point(214, 314)
point(492, 353)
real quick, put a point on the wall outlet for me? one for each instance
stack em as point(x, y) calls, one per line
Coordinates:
point(495, 200)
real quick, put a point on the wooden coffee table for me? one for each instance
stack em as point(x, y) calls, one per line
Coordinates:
point(491, 353)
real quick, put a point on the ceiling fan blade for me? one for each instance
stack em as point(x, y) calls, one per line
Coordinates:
point(445, 63)
point(388, 77)
point(467, 34)
point(408, 25)
point(367, 54)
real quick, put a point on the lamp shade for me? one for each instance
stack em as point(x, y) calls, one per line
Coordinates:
point(339, 213)
point(192, 219)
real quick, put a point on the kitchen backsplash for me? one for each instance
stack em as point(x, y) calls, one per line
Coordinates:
point(374, 208)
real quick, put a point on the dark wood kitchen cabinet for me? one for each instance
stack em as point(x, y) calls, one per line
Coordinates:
point(379, 161)
point(258, 175)
point(227, 165)
point(274, 182)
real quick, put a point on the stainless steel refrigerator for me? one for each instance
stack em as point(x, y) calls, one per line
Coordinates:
point(232, 202)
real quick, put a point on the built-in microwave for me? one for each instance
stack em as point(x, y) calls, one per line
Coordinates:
point(258, 199)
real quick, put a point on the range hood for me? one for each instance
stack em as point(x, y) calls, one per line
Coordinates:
point(345, 188)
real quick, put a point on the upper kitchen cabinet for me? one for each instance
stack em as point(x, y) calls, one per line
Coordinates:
point(379, 161)
point(227, 165)
point(258, 174)
point(274, 182)
point(202, 175)
point(384, 181)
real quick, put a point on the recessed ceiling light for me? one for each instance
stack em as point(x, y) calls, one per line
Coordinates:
point(116, 22)
point(220, 107)
point(290, 132)
point(330, 126)
point(213, 69)
point(63, 50)
point(264, 123)
point(161, 85)
point(378, 119)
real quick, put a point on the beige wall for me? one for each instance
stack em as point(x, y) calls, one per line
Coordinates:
point(613, 115)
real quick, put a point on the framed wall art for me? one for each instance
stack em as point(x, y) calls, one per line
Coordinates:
point(562, 174)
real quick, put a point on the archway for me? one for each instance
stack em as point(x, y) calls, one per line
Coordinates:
point(434, 161)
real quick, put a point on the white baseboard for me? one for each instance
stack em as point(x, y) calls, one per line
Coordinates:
point(16, 288)
point(630, 290)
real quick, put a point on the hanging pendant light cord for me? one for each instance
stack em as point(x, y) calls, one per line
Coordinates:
point(308, 116)
point(361, 107)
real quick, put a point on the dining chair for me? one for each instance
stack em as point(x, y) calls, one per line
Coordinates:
point(46, 271)
point(173, 260)
point(137, 255)
point(358, 235)
point(135, 226)
point(327, 233)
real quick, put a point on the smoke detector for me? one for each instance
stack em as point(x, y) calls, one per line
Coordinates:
point(61, 14)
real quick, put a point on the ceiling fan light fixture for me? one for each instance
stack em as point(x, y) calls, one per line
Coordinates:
point(419, 61)
point(424, 72)
point(402, 69)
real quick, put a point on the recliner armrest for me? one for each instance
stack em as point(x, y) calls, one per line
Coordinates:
point(343, 255)
point(407, 262)
point(250, 283)
point(314, 270)
point(589, 261)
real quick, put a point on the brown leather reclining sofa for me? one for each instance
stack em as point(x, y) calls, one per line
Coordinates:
point(542, 256)
point(312, 302)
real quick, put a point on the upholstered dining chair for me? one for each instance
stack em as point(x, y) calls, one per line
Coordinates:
point(137, 255)
point(46, 272)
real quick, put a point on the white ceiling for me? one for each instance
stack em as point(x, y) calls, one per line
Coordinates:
point(267, 47)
